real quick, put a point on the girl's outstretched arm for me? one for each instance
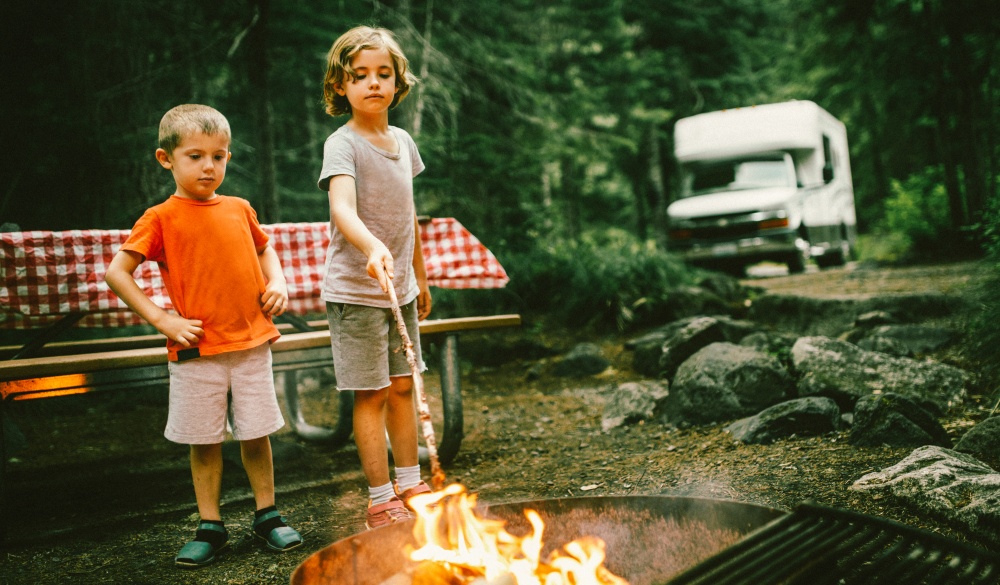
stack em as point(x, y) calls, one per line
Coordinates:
point(344, 215)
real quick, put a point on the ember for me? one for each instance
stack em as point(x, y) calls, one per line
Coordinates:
point(452, 534)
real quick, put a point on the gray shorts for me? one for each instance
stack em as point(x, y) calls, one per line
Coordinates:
point(200, 397)
point(367, 348)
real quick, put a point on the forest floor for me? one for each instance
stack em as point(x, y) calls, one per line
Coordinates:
point(99, 496)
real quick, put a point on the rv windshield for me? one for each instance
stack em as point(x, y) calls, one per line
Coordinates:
point(739, 175)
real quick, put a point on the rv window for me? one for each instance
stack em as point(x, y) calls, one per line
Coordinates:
point(739, 175)
point(827, 160)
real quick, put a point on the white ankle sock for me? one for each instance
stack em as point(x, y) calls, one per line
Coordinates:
point(407, 477)
point(381, 494)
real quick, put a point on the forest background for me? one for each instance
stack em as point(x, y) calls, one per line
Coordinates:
point(546, 126)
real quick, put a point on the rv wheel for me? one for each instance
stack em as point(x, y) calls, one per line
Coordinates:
point(796, 263)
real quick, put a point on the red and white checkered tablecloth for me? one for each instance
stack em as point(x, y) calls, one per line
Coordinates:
point(47, 275)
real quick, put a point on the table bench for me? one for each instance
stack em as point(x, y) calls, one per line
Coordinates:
point(52, 281)
point(74, 368)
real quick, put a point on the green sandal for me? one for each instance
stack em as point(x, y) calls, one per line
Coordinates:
point(199, 553)
point(280, 538)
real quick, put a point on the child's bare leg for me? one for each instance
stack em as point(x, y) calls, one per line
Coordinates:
point(401, 422)
point(259, 465)
point(206, 474)
point(369, 434)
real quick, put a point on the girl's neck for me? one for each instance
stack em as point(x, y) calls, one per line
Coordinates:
point(370, 125)
point(378, 134)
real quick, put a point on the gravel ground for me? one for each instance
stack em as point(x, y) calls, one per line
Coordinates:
point(98, 496)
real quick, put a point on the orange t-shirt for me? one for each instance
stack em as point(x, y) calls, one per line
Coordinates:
point(207, 253)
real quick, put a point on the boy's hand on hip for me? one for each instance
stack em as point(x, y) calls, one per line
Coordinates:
point(186, 332)
point(274, 301)
point(380, 266)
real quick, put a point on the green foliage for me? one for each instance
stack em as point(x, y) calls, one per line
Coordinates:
point(916, 221)
point(983, 337)
point(918, 208)
point(608, 280)
point(882, 247)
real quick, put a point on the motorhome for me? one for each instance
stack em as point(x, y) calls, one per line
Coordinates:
point(763, 183)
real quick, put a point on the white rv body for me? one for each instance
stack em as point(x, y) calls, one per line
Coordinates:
point(768, 182)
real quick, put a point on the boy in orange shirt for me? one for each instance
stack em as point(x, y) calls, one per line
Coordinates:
point(225, 283)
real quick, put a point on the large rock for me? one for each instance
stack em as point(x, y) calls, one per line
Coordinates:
point(884, 345)
point(802, 416)
point(917, 339)
point(945, 483)
point(982, 439)
point(659, 353)
point(776, 343)
point(845, 372)
point(895, 420)
point(647, 349)
point(585, 359)
point(686, 341)
point(724, 381)
point(632, 402)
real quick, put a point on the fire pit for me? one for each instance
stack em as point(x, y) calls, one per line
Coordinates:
point(648, 539)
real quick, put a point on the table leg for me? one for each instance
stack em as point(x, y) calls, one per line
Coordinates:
point(3, 472)
point(451, 400)
point(48, 334)
point(338, 435)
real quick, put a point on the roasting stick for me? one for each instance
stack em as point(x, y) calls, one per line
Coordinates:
point(437, 475)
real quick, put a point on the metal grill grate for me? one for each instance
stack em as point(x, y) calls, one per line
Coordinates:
point(816, 545)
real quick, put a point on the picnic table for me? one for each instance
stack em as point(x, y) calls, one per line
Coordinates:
point(52, 281)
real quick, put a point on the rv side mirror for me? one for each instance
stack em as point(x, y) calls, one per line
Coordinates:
point(827, 173)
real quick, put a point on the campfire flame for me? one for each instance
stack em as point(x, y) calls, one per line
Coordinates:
point(471, 548)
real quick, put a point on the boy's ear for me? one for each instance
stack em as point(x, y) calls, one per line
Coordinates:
point(229, 155)
point(164, 159)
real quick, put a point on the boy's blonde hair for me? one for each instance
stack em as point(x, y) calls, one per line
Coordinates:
point(338, 65)
point(187, 119)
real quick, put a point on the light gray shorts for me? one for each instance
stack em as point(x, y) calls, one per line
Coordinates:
point(367, 348)
point(200, 397)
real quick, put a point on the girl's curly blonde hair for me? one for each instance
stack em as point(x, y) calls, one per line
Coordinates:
point(338, 65)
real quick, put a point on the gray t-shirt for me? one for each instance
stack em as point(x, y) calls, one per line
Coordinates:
point(385, 204)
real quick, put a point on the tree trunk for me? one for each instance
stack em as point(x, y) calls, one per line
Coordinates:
point(880, 177)
point(570, 191)
point(268, 208)
point(418, 113)
point(656, 190)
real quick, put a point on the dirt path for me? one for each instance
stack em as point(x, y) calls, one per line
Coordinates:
point(856, 280)
point(98, 496)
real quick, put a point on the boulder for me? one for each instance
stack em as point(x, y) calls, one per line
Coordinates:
point(632, 402)
point(585, 359)
point(886, 345)
point(647, 349)
point(802, 416)
point(776, 343)
point(982, 439)
point(951, 485)
point(918, 339)
point(724, 381)
point(845, 372)
point(894, 420)
point(660, 352)
point(687, 340)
